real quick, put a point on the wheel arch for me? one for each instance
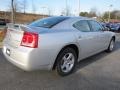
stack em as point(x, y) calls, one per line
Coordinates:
point(113, 37)
point(73, 46)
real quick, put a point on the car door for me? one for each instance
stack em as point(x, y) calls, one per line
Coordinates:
point(102, 36)
point(86, 38)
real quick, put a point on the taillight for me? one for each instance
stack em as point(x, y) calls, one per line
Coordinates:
point(30, 40)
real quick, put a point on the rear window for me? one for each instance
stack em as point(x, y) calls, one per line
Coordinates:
point(48, 22)
point(82, 26)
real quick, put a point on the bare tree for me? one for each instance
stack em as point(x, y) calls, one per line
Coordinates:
point(93, 12)
point(66, 11)
point(49, 12)
point(23, 5)
point(12, 11)
point(63, 13)
point(117, 15)
point(14, 8)
point(33, 7)
point(17, 6)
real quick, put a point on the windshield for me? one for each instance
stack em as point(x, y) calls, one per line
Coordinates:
point(48, 22)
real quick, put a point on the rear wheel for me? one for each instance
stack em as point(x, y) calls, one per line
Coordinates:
point(119, 29)
point(111, 45)
point(66, 61)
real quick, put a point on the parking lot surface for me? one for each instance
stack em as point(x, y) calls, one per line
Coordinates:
point(99, 72)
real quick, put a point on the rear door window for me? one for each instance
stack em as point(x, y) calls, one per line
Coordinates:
point(95, 26)
point(82, 26)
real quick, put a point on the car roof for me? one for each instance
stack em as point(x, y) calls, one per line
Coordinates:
point(75, 17)
point(67, 23)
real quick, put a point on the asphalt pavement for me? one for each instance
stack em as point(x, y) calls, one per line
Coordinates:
point(99, 72)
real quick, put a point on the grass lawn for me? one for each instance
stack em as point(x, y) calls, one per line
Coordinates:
point(0, 44)
point(1, 39)
point(2, 34)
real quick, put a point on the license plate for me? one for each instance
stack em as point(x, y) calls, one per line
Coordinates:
point(8, 52)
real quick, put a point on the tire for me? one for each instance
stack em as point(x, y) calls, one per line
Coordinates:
point(66, 62)
point(119, 30)
point(111, 45)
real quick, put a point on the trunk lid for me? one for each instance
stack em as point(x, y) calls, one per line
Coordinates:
point(15, 33)
point(14, 36)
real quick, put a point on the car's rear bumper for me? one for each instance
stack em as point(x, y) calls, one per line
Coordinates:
point(23, 59)
point(18, 64)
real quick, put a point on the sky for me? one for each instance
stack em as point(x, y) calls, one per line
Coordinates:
point(57, 6)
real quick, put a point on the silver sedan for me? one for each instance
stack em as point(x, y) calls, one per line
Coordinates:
point(56, 43)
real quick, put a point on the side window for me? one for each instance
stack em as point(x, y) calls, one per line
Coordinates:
point(82, 26)
point(95, 26)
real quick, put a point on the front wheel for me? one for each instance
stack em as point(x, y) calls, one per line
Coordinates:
point(111, 45)
point(66, 61)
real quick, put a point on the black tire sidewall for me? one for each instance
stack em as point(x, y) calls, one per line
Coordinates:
point(59, 59)
point(109, 50)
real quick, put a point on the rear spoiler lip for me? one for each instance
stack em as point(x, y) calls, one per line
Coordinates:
point(19, 27)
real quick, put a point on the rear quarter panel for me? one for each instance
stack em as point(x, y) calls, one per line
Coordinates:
point(50, 44)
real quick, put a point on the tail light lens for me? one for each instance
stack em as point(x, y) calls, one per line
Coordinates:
point(30, 40)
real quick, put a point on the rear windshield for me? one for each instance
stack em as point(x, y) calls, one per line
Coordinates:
point(48, 22)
